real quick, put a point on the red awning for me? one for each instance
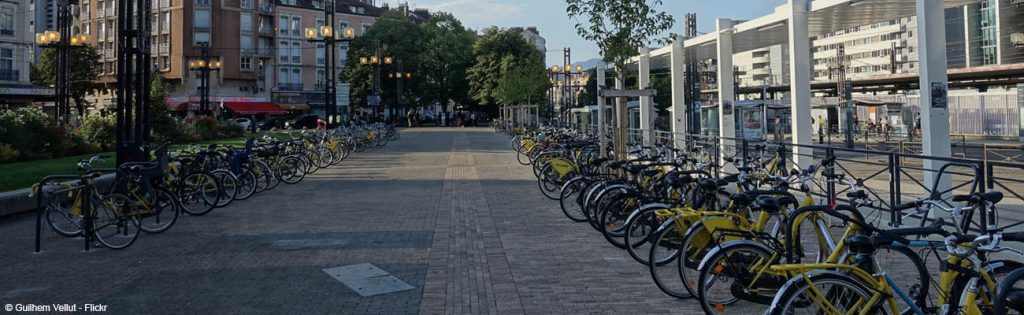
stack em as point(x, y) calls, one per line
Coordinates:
point(254, 108)
point(177, 107)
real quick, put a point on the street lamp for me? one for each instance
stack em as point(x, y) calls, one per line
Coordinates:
point(569, 75)
point(376, 60)
point(203, 66)
point(62, 42)
point(327, 35)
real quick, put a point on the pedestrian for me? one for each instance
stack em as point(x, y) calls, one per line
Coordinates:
point(778, 128)
point(885, 127)
point(917, 125)
point(409, 117)
point(821, 130)
point(472, 119)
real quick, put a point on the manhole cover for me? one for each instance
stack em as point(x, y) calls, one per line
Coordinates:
point(368, 280)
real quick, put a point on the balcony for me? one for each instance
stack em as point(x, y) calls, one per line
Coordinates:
point(108, 53)
point(165, 48)
point(110, 11)
point(6, 32)
point(165, 4)
point(266, 30)
point(289, 87)
point(85, 15)
point(101, 13)
point(9, 75)
point(265, 52)
point(265, 7)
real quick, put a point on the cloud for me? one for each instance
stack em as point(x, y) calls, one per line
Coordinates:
point(477, 13)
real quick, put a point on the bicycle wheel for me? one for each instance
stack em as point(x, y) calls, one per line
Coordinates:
point(696, 244)
point(612, 219)
point(161, 215)
point(843, 294)
point(198, 193)
point(1010, 296)
point(569, 200)
point(726, 276)
point(291, 169)
point(664, 255)
point(228, 187)
point(59, 216)
point(262, 174)
point(640, 228)
point(998, 269)
point(111, 226)
point(548, 183)
point(247, 183)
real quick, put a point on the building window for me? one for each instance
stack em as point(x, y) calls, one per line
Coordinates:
point(284, 52)
point(7, 63)
point(7, 21)
point(245, 4)
point(203, 2)
point(283, 25)
point(245, 20)
point(201, 37)
point(201, 19)
point(246, 64)
point(297, 52)
point(165, 63)
point(296, 26)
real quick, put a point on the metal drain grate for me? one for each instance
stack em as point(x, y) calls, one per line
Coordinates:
point(368, 280)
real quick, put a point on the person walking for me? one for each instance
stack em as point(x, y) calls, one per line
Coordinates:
point(821, 130)
point(885, 127)
point(410, 116)
point(778, 128)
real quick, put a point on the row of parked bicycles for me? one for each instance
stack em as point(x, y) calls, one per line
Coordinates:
point(112, 207)
point(745, 235)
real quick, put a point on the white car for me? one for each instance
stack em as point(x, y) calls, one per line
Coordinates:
point(244, 122)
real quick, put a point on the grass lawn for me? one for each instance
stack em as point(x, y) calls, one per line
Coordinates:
point(24, 174)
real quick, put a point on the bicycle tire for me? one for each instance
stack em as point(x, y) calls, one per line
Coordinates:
point(198, 193)
point(165, 212)
point(228, 187)
point(247, 183)
point(110, 228)
point(568, 200)
point(640, 229)
point(732, 260)
point(59, 218)
point(793, 296)
point(663, 256)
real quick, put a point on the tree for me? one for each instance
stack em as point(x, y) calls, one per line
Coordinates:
point(620, 28)
point(162, 124)
point(399, 38)
point(491, 49)
point(444, 63)
point(84, 68)
point(522, 80)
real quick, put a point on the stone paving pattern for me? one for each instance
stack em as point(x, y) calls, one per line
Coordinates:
point(448, 211)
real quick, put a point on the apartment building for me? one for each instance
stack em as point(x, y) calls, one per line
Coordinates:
point(300, 66)
point(267, 66)
point(16, 45)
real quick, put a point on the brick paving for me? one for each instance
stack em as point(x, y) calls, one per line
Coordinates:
point(448, 211)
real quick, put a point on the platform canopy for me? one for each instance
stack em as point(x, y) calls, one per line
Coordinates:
point(825, 16)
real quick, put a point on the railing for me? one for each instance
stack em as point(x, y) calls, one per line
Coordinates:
point(266, 30)
point(265, 51)
point(165, 48)
point(85, 15)
point(289, 87)
point(265, 7)
point(101, 13)
point(110, 11)
point(9, 75)
point(165, 3)
point(6, 32)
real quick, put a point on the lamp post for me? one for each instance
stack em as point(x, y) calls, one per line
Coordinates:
point(568, 76)
point(327, 35)
point(62, 41)
point(399, 76)
point(204, 66)
point(376, 60)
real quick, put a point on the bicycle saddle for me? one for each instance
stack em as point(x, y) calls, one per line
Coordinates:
point(650, 173)
point(617, 164)
point(711, 184)
point(598, 161)
point(991, 197)
point(773, 204)
point(860, 194)
point(867, 245)
point(731, 179)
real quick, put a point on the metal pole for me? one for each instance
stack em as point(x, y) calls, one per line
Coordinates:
point(330, 93)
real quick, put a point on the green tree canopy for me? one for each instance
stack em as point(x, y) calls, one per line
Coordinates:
point(522, 81)
point(399, 38)
point(444, 63)
point(492, 48)
point(620, 27)
point(84, 69)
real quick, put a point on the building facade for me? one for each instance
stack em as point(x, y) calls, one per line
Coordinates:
point(16, 51)
point(532, 35)
point(265, 58)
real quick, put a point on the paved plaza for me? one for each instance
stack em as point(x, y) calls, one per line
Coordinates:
point(448, 211)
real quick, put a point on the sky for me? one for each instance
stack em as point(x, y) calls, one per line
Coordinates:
point(551, 20)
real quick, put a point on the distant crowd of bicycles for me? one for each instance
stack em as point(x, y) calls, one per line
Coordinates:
point(149, 197)
point(762, 239)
